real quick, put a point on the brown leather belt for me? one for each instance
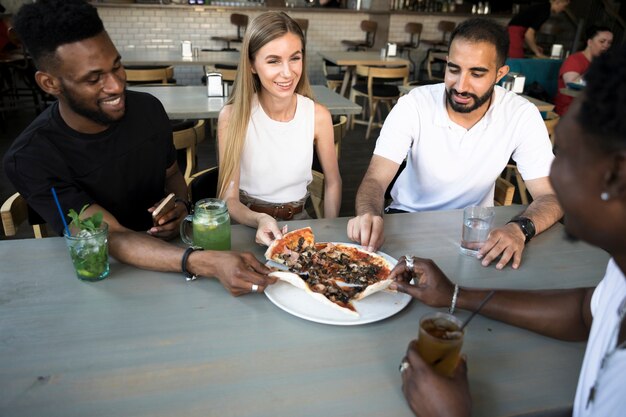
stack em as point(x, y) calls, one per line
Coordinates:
point(279, 211)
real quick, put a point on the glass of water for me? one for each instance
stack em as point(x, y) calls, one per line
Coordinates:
point(477, 222)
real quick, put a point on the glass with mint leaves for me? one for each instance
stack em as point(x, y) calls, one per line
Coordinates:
point(88, 247)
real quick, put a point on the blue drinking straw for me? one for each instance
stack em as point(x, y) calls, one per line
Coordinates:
point(56, 200)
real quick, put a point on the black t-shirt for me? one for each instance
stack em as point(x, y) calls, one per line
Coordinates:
point(122, 169)
point(532, 17)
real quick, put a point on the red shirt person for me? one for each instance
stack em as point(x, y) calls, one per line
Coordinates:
point(599, 40)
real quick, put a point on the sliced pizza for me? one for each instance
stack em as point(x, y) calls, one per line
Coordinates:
point(333, 273)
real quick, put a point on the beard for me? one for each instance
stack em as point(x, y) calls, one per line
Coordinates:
point(467, 108)
point(96, 115)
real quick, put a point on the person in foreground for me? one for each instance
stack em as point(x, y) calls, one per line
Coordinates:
point(269, 129)
point(105, 147)
point(524, 26)
point(589, 177)
point(457, 137)
point(599, 40)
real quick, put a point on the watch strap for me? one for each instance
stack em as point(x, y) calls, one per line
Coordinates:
point(188, 275)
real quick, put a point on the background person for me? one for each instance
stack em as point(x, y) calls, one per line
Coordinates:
point(105, 147)
point(268, 131)
point(589, 177)
point(457, 137)
point(524, 26)
point(599, 40)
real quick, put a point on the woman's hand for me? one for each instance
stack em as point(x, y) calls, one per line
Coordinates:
point(267, 230)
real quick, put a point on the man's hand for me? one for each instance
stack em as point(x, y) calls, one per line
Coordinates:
point(168, 225)
point(506, 242)
point(367, 230)
point(432, 395)
point(268, 230)
point(237, 271)
point(431, 287)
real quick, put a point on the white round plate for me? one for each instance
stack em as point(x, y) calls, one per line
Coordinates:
point(374, 308)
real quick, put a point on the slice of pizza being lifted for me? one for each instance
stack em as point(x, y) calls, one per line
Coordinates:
point(334, 274)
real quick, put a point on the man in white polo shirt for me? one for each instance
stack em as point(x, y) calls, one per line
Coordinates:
point(457, 137)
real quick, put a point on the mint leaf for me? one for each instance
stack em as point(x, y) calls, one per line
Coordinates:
point(91, 223)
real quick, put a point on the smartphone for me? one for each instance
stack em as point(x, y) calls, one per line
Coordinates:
point(166, 205)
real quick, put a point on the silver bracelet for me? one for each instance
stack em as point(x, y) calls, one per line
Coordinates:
point(454, 296)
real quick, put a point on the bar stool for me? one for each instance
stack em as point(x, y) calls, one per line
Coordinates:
point(415, 33)
point(369, 27)
point(241, 22)
point(438, 48)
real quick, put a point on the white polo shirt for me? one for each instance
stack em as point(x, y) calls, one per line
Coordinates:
point(450, 167)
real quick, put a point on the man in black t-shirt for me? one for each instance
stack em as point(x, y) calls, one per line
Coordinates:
point(108, 148)
point(525, 25)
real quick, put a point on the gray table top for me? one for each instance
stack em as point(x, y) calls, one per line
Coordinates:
point(146, 343)
point(175, 57)
point(191, 102)
point(352, 58)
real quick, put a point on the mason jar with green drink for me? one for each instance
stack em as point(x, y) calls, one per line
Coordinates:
point(210, 225)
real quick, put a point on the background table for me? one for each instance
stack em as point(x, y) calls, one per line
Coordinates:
point(146, 343)
point(191, 102)
point(543, 71)
point(174, 57)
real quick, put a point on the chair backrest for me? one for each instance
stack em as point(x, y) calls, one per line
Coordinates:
point(503, 193)
point(551, 120)
point(304, 25)
point(14, 212)
point(380, 74)
point(188, 139)
point(415, 32)
point(340, 130)
point(316, 191)
point(446, 28)
point(241, 21)
point(369, 27)
point(203, 184)
point(149, 75)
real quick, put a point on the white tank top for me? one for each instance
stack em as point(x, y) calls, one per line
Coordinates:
point(277, 156)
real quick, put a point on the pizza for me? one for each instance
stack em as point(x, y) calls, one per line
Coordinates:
point(335, 274)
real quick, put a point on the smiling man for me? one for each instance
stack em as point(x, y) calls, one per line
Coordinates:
point(107, 148)
point(457, 137)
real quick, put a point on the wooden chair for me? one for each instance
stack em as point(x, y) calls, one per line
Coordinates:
point(14, 212)
point(241, 22)
point(147, 75)
point(188, 139)
point(203, 184)
point(551, 120)
point(415, 33)
point(369, 27)
point(503, 193)
point(316, 191)
point(340, 130)
point(376, 90)
point(511, 171)
point(334, 75)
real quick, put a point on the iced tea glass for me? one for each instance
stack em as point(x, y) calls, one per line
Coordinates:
point(439, 342)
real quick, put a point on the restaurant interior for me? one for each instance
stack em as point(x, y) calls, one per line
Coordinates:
point(185, 53)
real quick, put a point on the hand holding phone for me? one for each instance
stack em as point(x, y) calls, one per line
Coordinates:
point(165, 207)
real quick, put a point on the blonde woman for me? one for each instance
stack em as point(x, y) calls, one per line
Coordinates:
point(268, 130)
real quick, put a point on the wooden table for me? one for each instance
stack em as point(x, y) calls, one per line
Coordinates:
point(174, 57)
point(351, 59)
point(541, 105)
point(191, 102)
point(146, 343)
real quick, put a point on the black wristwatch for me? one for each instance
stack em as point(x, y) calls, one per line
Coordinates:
point(527, 226)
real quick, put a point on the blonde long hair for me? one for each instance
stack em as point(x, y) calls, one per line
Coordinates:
point(262, 30)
